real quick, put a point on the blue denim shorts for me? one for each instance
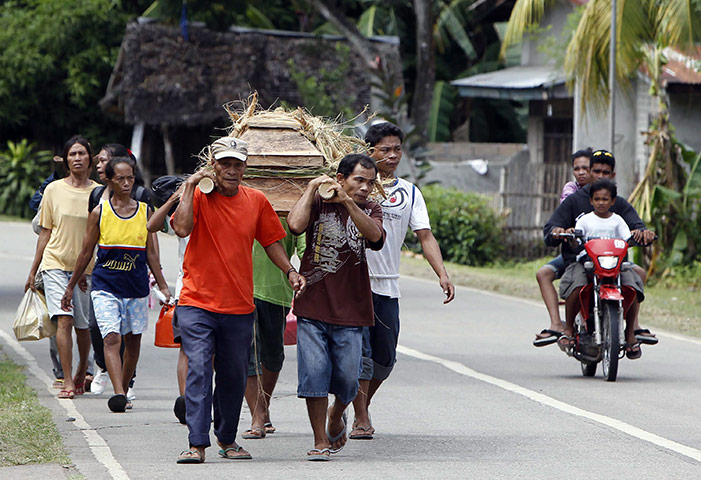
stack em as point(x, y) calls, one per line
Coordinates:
point(328, 359)
point(557, 265)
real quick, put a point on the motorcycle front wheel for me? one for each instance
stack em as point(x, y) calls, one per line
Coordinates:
point(610, 334)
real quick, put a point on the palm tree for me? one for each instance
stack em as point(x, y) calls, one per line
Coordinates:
point(645, 30)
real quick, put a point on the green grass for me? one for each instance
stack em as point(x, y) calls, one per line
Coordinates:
point(671, 305)
point(8, 218)
point(27, 430)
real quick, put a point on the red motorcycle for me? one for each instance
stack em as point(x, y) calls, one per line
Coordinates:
point(600, 326)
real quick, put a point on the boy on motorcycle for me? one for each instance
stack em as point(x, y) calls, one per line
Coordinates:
point(601, 223)
point(602, 165)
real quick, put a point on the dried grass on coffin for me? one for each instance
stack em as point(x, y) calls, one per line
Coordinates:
point(326, 135)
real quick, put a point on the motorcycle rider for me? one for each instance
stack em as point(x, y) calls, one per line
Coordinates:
point(601, 223)
point(548, 273)
point(603, 165)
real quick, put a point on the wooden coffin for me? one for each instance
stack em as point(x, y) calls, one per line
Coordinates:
point(277, 149)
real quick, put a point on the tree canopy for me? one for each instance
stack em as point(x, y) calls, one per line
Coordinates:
point(57, 58)
point(58, 54)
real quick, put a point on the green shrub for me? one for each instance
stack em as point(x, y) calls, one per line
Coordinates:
point(468, 230)
point(680, 276)
point(22, 169)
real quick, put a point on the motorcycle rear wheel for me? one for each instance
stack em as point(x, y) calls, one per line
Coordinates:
point(588, 369)
point(611, 337)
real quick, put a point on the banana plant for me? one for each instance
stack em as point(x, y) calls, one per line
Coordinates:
point(441, 108)
point(22, 169)
point(675, 213)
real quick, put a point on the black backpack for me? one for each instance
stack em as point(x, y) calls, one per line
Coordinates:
point(163, 187)
point(138, 193)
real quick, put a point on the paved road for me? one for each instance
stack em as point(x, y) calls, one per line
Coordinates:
point(469, 398)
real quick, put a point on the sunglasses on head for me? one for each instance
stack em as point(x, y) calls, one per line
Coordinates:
point(599, 153)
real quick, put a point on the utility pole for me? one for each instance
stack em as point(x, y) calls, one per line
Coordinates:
point(612, 78)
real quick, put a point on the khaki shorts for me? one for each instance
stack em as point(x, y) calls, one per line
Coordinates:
point(55, 283)
point(575, 277)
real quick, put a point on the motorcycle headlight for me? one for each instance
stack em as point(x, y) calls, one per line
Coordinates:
point(608, 262)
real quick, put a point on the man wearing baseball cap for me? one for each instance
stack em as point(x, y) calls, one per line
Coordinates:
point(215, 310)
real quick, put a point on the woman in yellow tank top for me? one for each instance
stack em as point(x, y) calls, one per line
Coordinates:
point(120, 278)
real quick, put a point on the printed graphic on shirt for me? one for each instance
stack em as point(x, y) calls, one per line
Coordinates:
point(335, 243)
point(397, 199)
point(393, 205)
point(121, 254)
point(127, 264)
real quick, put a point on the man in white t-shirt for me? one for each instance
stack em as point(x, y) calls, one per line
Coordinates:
point(404, 207)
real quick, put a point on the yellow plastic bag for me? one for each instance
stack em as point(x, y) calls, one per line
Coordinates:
point(32, 320)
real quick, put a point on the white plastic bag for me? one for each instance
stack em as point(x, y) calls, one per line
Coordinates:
point(32, 320)
point(35, 221)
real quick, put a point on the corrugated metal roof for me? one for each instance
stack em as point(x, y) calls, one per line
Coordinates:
point(682, 68)
point(531, 82)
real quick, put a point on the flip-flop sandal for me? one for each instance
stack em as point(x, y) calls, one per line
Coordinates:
point(253, 434)
point(553, 336)
point(269, 428)
point(58, 383)
point(362, 433)
point(117, 403)
point(66, 394)
point(80, 388)
point(224, 453)
point(643, 335)
point(633, 351)
point(565, 342)
point(316, 455)
point(190, 456)
point(333, 439)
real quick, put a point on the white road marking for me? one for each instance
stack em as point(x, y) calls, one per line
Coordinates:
point(97, 444)
point(562, 406)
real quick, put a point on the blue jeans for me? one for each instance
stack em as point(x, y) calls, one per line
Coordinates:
point(227, 338)
point(328, 359)
point(380, 340)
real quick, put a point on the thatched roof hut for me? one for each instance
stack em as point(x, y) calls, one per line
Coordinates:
point(160, 81)
point(159, 78)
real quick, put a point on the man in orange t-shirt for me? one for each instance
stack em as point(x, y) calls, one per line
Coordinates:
point(215, 310)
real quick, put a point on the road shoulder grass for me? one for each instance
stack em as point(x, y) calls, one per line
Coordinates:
point(676, 308)
point(28, 434)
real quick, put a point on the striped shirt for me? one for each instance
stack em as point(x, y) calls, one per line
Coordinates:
point(121, 255)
